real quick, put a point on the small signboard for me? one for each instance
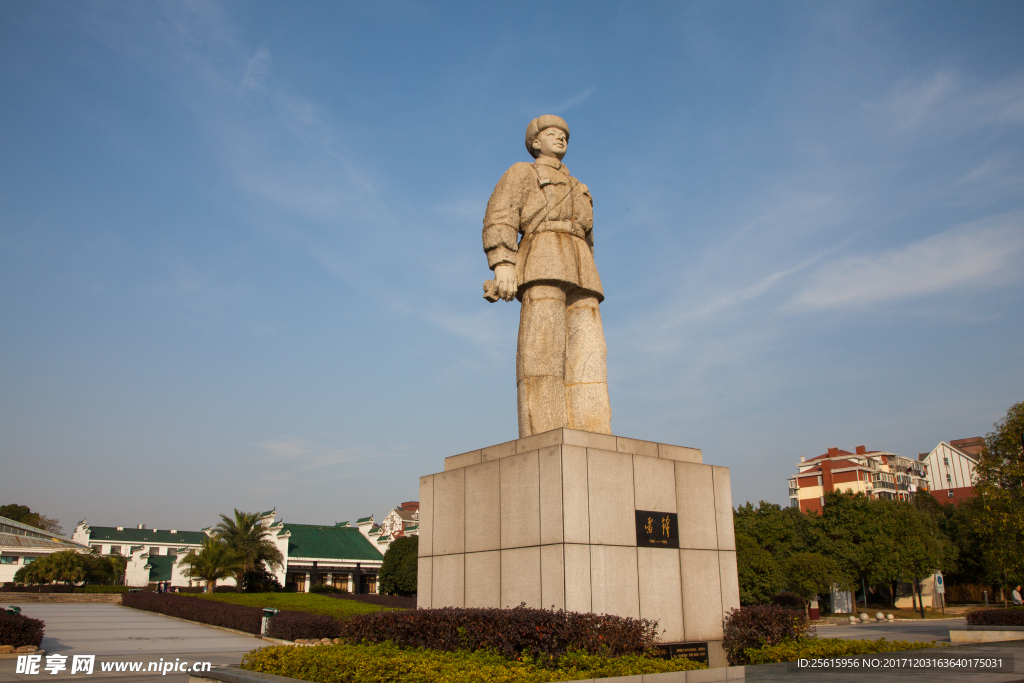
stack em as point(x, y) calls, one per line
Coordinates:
point(940, 585)
point(657, 529)
point(697, 652)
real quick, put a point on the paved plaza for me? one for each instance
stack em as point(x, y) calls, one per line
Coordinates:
point(925, 630)
point(116, 633)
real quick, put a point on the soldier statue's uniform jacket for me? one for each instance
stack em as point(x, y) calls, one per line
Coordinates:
point(554, 213)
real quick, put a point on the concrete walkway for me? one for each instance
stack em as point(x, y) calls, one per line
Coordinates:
point(116, 633)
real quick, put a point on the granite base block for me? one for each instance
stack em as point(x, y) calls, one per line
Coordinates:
point(549, 521)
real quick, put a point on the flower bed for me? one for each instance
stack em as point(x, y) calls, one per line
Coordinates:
point(1014, 616)
point(19, 630)
point(389, 663)
point(510, 632)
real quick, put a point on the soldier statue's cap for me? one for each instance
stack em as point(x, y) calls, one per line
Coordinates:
point(543, 123)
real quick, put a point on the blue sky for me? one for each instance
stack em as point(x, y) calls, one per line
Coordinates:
point(240, 260)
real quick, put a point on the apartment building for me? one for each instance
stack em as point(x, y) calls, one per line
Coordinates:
point(951, 468)
point(878, 474)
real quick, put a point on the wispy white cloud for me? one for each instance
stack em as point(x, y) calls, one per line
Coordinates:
point(258, 70)
point(946, 99)
point(981, 254)
point(564, 105)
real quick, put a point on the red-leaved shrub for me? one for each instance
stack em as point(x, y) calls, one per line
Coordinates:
point(761, 625)
point(996, 617)
point(18, 630)
point(541, 633)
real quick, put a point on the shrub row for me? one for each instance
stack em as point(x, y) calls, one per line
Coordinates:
point(18, 630)
point(814, 648)
point(287, 625)
point(101, 589)
point(758, 626)
point(388, 663)
point(240, 618)
point(1013, 616)
point(57, 588)
point(510, 632)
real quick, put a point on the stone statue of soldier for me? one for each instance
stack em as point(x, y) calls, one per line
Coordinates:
point(561, 363)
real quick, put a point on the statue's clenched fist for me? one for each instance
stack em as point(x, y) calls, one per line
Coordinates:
point(505, 278)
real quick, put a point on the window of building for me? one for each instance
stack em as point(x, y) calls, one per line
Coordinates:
point(172, 552)
point(154, 550)
point(8, 559)
point(948, 478)
point(28, 560)
point(794, 502)
point(98, 549)
point(949, 494)
point(115, 550)
point(945, 461)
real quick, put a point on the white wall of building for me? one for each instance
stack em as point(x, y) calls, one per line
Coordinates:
point(949, 468)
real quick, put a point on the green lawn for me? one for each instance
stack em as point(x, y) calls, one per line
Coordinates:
point(300, 602)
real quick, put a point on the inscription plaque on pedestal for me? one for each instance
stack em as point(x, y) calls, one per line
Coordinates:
point(657, 529)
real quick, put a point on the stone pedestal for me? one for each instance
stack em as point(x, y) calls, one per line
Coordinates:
point(550, 520)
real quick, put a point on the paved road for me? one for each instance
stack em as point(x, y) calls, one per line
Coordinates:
point(116, 633)
point(925, 630)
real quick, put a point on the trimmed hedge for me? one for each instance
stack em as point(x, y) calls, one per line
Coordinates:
point(813, 648)
point(758, 626)
point(287, 625)
point(240, 618)
point(388, 663)
point(510, 632)
point(1014, 616)
point(101, 589)
point(19, 630)
point(294, 625)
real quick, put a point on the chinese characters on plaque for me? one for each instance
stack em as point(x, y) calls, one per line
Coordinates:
point(657, 529)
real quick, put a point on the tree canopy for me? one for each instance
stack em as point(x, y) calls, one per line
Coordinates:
point(22, 513)
point(250, 542)
point(399, 570)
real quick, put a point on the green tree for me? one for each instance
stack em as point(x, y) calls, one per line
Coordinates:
point(251, 542)
point(213, 562)
point(811, 574)
point(854, 534)
point(103, 569)
point(918, 547)
point(1000, 487)
point(66, 566)
point(398, 571)
point(759, 575)
point(22, 513)
point(777, 530)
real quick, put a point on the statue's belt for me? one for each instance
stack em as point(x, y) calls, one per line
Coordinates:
point(567, 227)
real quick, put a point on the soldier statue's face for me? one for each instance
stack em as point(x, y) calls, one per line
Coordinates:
point(551, 142)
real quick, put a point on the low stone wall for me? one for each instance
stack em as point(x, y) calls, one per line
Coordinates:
point(88, 598)
point(986, 634)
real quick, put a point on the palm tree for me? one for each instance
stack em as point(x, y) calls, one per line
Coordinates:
point(214, 561)
point(251, 541)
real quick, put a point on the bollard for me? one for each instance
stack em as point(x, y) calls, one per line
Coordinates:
point(268, 614)
point(985, 593)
